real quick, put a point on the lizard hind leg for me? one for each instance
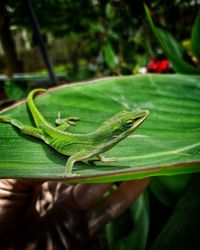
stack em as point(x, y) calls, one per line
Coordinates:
point(104, 159)
point(23, 128)
point(80, 156)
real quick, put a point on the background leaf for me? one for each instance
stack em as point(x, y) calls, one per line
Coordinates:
point(196, 37)
point(137, 238)
point(182, 229)
point(15, 91)
point(130, 231)
point(109, 55)
point(172, 49)
point(167, 189)
point(167, 143)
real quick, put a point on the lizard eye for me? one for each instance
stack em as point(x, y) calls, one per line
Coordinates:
point(128, 124)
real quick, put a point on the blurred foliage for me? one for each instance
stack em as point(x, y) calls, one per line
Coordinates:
point(113, 37)
point(183, 61)
point(15, 90)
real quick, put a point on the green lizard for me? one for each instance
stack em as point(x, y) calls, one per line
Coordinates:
point(79, 146)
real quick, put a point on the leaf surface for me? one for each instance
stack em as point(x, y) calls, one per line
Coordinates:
point(167, 143)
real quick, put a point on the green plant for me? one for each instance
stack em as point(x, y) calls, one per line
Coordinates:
point(187, 62)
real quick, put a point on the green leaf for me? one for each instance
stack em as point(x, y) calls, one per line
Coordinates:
point(173, 50)
point(110, 11)
point(168, 189)
point(167, 143)
point(182, 229)
point(196, 37)
point(14, 91)
point(109, 55)
point(169, 44)
point(110, 235)
point(137, 238)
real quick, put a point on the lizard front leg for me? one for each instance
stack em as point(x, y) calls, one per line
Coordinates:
point(23, 128)
point(64, 124)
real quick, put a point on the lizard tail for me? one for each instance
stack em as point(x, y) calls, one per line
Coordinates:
point(37, 116)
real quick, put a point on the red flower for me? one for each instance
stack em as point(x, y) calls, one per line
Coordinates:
point(158, 66)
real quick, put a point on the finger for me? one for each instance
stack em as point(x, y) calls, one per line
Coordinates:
point(19, 185)
point(115, 204)
point(86, 195)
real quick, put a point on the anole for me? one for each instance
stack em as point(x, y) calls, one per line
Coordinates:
point(79, 147)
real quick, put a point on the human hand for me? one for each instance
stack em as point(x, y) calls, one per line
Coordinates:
point(55, 215)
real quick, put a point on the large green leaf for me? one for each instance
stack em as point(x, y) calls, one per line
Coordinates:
point(167, 143)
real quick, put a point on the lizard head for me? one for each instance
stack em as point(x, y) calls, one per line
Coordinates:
point(124, 123)
point(118, 127)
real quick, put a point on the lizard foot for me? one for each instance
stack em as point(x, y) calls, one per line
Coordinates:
point(104, 159)
point(70, 120)
point(65, 174)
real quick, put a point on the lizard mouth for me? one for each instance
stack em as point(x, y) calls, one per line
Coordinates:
point(141, 118)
